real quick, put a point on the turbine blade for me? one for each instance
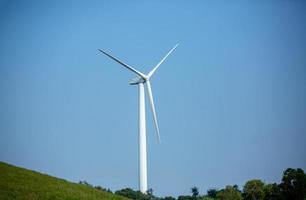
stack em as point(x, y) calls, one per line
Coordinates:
point(125, 65)
point(149, 89)
point(160, 62)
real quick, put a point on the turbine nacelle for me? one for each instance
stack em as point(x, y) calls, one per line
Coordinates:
point(137, 80)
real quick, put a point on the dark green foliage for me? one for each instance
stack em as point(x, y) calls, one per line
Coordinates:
point(206, 198)
point(129, 193)
point(98, 187)
point(103, 189)
point(195, 192)
point(229, 193)
point(236, 187)
point(18, 183)
point(272, 192)
point(185, 197)
point(293, 184)
point(168, 198)
point(254, 190)
point(212, 193)
point(150, 192)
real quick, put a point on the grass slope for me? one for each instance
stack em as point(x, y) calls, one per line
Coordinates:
point(19, 183)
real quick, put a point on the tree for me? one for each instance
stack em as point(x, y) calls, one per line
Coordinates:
point(254, 190)
point(168, 198)
point(272, 192)
point(85, 183)
point(229, 193)
point(98, 187)
point(236, 187)
point(293, 184)
point(182, 197)
point(150, 192)
point(206, 198)
point(195, 192)
point(212, 193)
point(131, 194)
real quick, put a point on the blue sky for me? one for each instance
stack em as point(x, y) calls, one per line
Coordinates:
point(231, 99)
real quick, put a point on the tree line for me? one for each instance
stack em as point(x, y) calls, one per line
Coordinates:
point(292, 187)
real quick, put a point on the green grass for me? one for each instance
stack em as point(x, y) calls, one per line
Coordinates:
point(19, 183)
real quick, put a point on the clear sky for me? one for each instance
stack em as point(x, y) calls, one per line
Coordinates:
point(230, 100)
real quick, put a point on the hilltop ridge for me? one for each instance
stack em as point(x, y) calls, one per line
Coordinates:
point(20, 183)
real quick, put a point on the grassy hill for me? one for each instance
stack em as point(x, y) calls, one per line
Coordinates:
point(19, 183)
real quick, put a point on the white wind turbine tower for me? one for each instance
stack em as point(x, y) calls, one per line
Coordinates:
point(140, 80)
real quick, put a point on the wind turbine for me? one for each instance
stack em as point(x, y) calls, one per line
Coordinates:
point(140, 80)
